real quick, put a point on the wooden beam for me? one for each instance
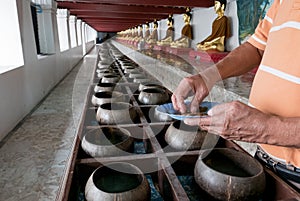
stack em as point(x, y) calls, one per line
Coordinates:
point(172, 3)
point(118, 15)
point(120, 8)
point(94, 14)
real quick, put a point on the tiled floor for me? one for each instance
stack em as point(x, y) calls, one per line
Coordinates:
point(34, 156)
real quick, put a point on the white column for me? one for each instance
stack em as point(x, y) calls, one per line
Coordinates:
point(63, 29)
point(79, 32)
point(73, 34)
point(45, 16)
point(83, 33)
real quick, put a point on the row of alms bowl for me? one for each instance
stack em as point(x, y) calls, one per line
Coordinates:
point(111, 142)
point(120, 180)
point(248, 184)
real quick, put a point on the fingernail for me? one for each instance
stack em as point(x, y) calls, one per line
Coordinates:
point(209, 113)
point(194, 110)
point(182, 110)
point(186, 121)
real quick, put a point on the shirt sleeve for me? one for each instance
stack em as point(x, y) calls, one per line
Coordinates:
point(260, 37)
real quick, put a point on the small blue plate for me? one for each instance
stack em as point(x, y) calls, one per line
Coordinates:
point(169, 110)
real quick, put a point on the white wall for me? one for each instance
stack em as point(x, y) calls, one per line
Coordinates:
point(202, 19)
point(23, 88)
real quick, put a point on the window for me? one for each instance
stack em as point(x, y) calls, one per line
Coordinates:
point(90, 33)
point(11, 53)
point(33, 8)
point(43, 11)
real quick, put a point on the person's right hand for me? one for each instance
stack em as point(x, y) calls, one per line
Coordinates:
point(193, 85)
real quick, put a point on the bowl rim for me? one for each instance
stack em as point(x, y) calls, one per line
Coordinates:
point(120, 103)
point(157, 90)
point(123, 130)
point(114, 94)
point(139, 173)
point(206, 152)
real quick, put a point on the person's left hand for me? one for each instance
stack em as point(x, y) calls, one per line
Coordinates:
point(235, 121)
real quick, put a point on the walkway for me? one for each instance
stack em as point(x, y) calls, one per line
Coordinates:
point(34, 156)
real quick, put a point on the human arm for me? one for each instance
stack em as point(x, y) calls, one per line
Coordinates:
point(237, 121)
point(237, 62)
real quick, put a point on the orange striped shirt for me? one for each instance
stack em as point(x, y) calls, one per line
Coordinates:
point(276, 87)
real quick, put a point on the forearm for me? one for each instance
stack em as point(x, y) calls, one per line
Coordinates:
point(239, 61)
point(237, 121)
point(283, 131)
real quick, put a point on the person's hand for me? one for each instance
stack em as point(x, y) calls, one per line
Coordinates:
point(236, 121)
point(198, 85)
point(193, 85)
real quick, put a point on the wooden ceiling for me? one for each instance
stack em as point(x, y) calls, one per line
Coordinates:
point(118, 15)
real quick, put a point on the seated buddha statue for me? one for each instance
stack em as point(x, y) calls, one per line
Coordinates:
point(139, 34)
point(147, 31)
point(152, 39)
point(133, 34)
point(186, 32)
point(169, 33)
point(127, 34)
point(220, 30)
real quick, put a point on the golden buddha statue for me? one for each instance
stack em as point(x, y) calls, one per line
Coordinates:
point(123, 34)
point(186, 32)
point(128, 34)
point(133, 34)
point(152, 39)
point(147, 31)
point(220, 30)
point(169, 33)
point(139, 34)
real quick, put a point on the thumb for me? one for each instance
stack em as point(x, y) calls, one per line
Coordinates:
point(192, 121)
point(202, 121)
point(195, 104)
